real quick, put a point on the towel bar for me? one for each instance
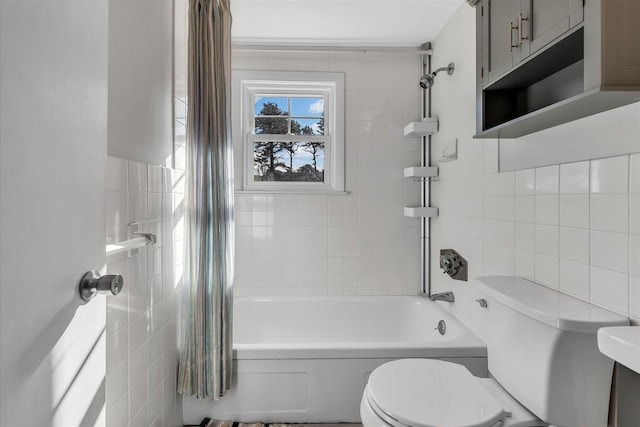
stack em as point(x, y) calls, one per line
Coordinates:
point(135, 243)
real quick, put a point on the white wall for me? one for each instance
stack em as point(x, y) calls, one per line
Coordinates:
point(574, 227)
point(355, 244)
point(141, 80)
point(142, 320)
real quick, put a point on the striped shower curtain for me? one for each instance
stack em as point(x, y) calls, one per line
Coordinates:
point(206, 350)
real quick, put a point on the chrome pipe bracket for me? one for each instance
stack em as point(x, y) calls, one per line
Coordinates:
point(425, 179)
point(150, 236)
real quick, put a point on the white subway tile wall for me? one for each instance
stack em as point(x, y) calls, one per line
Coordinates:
point(354, 244)
point(142, 320)
point(574, 227)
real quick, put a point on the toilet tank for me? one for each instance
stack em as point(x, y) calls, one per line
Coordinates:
point(542, 349)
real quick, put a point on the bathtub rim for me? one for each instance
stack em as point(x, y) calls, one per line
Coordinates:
point(466, 345)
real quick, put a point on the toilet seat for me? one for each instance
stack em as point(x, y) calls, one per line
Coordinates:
point(426, 392)
point(431, 393)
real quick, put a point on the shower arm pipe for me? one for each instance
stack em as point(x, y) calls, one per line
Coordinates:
point(425, 185)
point(440, 69)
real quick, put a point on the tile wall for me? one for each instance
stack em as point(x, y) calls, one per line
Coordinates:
point(142, 320)
point(574, 227)
point(355, 244)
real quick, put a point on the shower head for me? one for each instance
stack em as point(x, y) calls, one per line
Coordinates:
point(428, 80)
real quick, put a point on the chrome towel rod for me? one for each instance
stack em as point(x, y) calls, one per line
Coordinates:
point(134, 243)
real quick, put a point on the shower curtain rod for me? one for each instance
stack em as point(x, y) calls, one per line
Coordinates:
point(329, 49)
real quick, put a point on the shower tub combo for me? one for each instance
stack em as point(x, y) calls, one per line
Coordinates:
point(308, 359)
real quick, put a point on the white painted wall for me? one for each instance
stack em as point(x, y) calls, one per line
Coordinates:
point(53, 59)
point(141, 80)
point(355, 244)
point(574, 227)
point(142, 322)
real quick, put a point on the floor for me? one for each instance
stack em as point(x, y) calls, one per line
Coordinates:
point(215, 423)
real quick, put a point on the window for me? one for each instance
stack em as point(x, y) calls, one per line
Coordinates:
point(288, 131)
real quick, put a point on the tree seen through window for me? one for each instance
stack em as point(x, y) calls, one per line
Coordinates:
point(300, 155)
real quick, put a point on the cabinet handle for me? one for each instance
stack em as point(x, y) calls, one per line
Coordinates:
point(511, 45)
point(521, 18)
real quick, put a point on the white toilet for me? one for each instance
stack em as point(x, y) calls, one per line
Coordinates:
point(542, 355)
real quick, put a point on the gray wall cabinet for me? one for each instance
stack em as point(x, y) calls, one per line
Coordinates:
point(513, 30)
point(542, 63)
point(543, 21)
point(500, 50)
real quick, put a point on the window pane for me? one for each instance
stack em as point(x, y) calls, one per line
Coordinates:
point(272, 126)
point(271, 106)
point(307, 107)
point(307, 126)
point(288, 161)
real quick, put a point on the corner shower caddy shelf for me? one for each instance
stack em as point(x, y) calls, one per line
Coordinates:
point(420, 212)
point(418, 173)
point(428, 126)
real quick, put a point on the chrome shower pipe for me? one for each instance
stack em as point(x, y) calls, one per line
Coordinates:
point(425, 184)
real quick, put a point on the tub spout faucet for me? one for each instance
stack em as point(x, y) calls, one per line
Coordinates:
point(443, 296)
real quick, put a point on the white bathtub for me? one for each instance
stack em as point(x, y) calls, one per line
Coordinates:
point(308, 359)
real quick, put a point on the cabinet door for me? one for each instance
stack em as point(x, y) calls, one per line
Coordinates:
point(542, 21)
point(499, 37)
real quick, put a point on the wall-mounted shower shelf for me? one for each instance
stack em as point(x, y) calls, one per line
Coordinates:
point(428, 126)
point(429, 173)
point(420, 212)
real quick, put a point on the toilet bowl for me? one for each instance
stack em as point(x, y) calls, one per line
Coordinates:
point(542, 352)
point(434, 393)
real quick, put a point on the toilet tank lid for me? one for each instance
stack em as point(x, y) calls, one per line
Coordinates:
point(548, 306)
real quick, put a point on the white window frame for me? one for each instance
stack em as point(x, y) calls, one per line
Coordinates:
point(246, 85)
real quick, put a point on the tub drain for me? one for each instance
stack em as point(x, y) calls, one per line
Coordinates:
point(442, 327)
